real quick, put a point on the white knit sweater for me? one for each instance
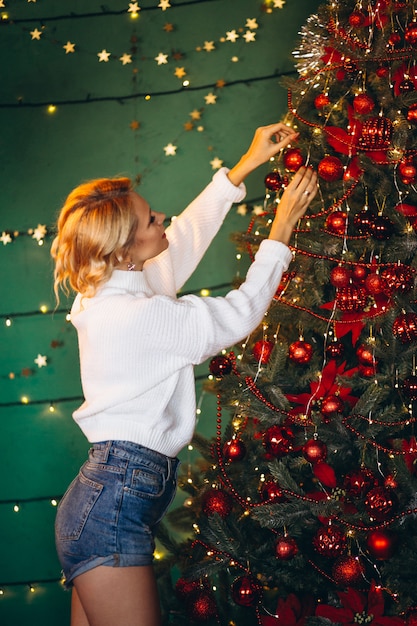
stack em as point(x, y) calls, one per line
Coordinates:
point(138, 342)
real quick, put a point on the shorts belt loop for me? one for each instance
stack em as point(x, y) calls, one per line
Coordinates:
point(106, 451)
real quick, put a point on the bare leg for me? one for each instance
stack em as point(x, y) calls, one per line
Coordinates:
point(78, 616)
point(119, 595)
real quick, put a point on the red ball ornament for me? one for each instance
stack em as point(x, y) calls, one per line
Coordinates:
point(300, 352)
point(340, 276)
point(380, 503)
point(314, 450)
point(348, 571)
point(270, 490)
point(381, 544)
point(365, 355)
point(335, 349)
point(184, 588)
point(352, 298)
point(293, 159)
point(382, 71)
point(398, 277)
point(321, 101)
point(216, 501)
point(234, 450)
point(409, 387)
point(363, 104)
point(357, 19)
point(278, 440)
point(330, 541)
point(262, 351)
point(220, 366)
point(358, 482)
point(363, 221)
point(201, 606)
point(404, 327)
point(336, 222)
point(376, 134)
point(285, 548)
point(394, 40)
point(330, 169)
point(246, 591)
point(382, 228)
point(273, 181)
point(406, 85)
point(412, 113)
point(410, 34)
point(407, 172)
point(331, 405)
point(359, 274)
point(375, 284)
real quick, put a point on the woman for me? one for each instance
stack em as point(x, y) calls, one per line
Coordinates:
point(138, 344)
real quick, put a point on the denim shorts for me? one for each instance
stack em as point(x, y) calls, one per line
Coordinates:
point(110, 511)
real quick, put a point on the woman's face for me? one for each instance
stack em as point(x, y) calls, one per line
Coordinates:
point(150, 239)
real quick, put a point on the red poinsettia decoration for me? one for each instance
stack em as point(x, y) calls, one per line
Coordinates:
point(359, 608)
point(290, 612)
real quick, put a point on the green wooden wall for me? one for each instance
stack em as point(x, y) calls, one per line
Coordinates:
point(107, 118)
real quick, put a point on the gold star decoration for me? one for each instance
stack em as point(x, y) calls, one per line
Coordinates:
point(216, 163)
point(209, 46)
point(5, 238)
point(168, 28)
point(39, 232)
point(251, 23)
point(210, 98)
point(188, 126)
point(36, 34)
point(40, 360)
point(231, 35)
point(134, 125)
point(180, 72)
point(103, 56)
point(69, 47)
point(195, 115)
point(220, 83)
point(170, 150)
point(133, 7)
point(125, 59)
point(249, 36)
point(164, 5)
point(162, 58)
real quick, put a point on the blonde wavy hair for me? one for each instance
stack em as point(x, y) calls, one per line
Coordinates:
point(95, 228)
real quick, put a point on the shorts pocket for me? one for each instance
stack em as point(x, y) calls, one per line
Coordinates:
point(75, 507)
point(147, 483)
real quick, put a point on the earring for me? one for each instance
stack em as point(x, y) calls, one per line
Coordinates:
point(130, 266)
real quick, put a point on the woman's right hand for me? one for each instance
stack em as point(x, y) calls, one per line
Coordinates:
point(293, 204)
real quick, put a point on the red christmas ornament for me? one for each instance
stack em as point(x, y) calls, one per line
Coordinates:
point(330, 541)
point(293, 159)
point(285, 548)
point(348, 571)
point(234, 450)
point(382, 228)
point(340, 276)
point(363, 104)
point(331, 405)
point(375, 284)
point(381, 544)
point(363, 221)
point(184, 587)
point(336, 222)
point(398, 277)
point(409, 386)
point(201, 606)
point(273, 181)
point(394, 40)
point(406, 85)
point(262, 351)
point(270, 490)
point(382, 71)
point(359, 482)
point(220, 366)
point(357, 19)
point(390, 482)
point(404, 327)
point(380, 503)
point(246, 591)
point(216, 501)
point(300, 352)
point(410, 34)
point(359, 274)
point(321, 101)
point(407, 172)
point(278, 440)
point(330, 169)
point(314, 450)
point(376, 133)
point(352, 298)
point(365, 355)
point(335, 349)
point(412, 113)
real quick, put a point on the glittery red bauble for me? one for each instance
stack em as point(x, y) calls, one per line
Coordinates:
point(330, 169)
point(285, 548)
point(359, 273)
point(363, 104)
point(410, 34)
point(184, 587)
point(330, 405)
point(394, 40)
point(363, 221)
point(406, 85)
point(220, 366)
point(412, 113)
point(380, 503)
point(357, 19)
point(330, 541)
point(201, 606)
point(382, 228)
point(358, 482)
point(270, 490)
point(234, 450)
point(404, 327)
point(314, 450)
point(300, 352)
point(262, 350)
point(398, 277)
point(376, 133)
point(216, 501)
point(273, 181)
point(340, 276)
point(409, 386)
point(352, 298)
point(278, 440)
point(321, 101)
point(381, 544)
point(382, 71)
point(407, 172)
point(293, 159)
point(335, 349)
point(246, 591)
point(336, 222)
point(365, 355)
point(348, 571)
point(367, 370)
point(375, 284)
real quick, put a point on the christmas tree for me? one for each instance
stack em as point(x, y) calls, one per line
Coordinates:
point(306, 511)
